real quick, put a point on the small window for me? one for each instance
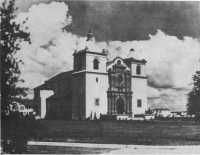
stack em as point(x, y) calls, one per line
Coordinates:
point(97, 79)
point(97, 101)
point(96, 64)
point(138, 69)
point(139, 103)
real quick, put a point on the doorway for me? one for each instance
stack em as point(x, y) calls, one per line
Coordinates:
point(120, 106)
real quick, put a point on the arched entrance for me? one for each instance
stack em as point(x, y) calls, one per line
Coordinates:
point(120, 106)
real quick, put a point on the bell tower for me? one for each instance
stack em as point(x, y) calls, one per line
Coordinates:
point(138, 83)
point(90, 81)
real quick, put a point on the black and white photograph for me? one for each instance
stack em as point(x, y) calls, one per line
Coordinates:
point(100, 77)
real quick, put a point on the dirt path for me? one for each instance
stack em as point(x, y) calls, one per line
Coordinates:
point(91, 148)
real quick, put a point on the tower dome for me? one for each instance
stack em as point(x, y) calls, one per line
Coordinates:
point(132, 53)
point(90, 36)
point(90, 42)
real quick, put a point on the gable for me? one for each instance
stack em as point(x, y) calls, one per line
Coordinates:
point(117, 61)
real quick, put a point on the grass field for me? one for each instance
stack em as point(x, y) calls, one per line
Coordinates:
point(122, 132)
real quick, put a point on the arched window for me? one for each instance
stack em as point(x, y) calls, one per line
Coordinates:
point(139, 103)
point(96, 64)
point(138, 69)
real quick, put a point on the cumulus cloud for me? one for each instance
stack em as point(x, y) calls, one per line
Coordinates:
point(175, 100)
point(49, 50)
point(171, 61)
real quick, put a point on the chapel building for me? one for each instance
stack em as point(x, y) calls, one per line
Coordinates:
point(95, 87)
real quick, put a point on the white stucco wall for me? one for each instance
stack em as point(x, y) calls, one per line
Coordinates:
point(44, 94)
point(162, 112)
point(96, 90)
point(139, 88)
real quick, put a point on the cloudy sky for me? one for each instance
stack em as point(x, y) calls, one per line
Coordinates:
point(166, 34)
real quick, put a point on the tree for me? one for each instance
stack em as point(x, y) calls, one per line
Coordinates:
point(193, 105)
point(11, 37)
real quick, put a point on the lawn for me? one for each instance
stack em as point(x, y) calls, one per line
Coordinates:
point(121, 132)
